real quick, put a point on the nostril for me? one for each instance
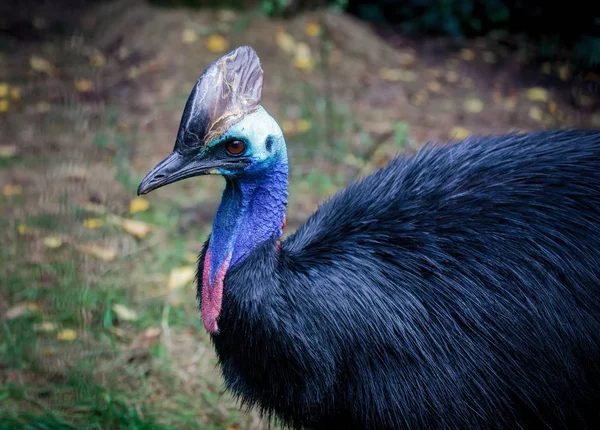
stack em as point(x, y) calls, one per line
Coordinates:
point(159, 176)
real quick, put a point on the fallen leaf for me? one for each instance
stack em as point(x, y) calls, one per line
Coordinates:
point(3, 89)
point(22, 229)
point(459, 133)
point(420, 97)
point(452, 76)
point(15, 93)
point(40, 64)
point(564, 73)
point(217, 44)
point(93, 223)
point(133, 72)
point(407, 59)
point(395, 75)
point(106, 254)
point(537, 94)
point(12, 190)
point(302, 57)
point(66, 335)
point(434, 86)
point(47, 352)
point(52, 242)
point(117, 331)
point(535, 113)
point(189, 36)
point(97, 60)
point(234, 428)
point(285, 41)
point(510, 103)
point(552, 107)
point(124, 313)
point(139, 204)
point(467, 54)
point(8, 151)
point(584, 100)
point(136, 228)
point(46, 327)
point(181, 276)
point(227, 15)
point(4, 106)
point(303, 125)
point(473, 105)
point(312, 29)
point(84, 85)
point(22, 309)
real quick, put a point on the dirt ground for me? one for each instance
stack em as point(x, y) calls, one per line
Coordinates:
point(97, 303)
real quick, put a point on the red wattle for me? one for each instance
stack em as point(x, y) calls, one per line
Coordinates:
point(212, 293)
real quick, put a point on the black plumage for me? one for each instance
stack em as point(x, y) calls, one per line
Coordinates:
point(458, 288)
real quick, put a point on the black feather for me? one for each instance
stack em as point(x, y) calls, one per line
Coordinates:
point(458, 289)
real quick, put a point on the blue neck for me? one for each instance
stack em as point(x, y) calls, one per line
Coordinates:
point(252, 211)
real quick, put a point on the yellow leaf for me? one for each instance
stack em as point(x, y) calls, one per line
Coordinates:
point(139, 204)
point(66, 335)
point(40, 64)
point(8, 151)
point(395, 75)
point(217, 44)
point(288, 126)
point(459, 133)
point(303, 125)
point(564, 73)
point(312, 29)
point(84, 85)
point(106, 254)
point(473, 105)
point(43, 107)
point(136, 228)
point(4, 106)
point(181, 276)
point(47, 352)
point(285, 42)
point(46, 327)
point(3, 89)
point(52, 242)
point(124, 313)
point(537, 94)
point(22, 229)
point(189, 36)
point(97, 60)
point(15, 93)
point(93, 223)
point(467, 54)
point(12, 190)
point(535, 113)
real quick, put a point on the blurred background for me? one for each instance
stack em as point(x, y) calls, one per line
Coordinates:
point(98, 320)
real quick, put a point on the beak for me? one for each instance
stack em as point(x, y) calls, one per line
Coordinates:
point(172, 169)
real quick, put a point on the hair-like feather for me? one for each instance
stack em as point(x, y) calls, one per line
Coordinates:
point(458, 289)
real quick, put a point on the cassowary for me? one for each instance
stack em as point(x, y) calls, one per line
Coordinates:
point(456, 289)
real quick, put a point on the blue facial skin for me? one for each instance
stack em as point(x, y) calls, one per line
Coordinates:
point(253, 205)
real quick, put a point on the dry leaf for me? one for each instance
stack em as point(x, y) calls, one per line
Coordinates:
point(8, 151)
point(3, 89)
point(15, 93)
point(434, 86)
point(535, 113)
point(312, 29)
point(181, 276)
point(407, 59)
point(124, 313)
point(46, 327)
point(285, 42)
point(473, 105)
point(584, 100)
point(4, 106)
point(234, 428)
point(52, 242)
point(564, 73)
point(97, 60)
point(43, 107)
point(452, 76)
point(217, 44)
point(467, 54)
point(22, 229)
point(395, 75)
point(537, 94)
point(66, 335)
point(84, 85)
point(139, 204)
point(303, 125)
point(21, 309)
point(459, 133)
point(106, 254)
point(552, 107)
point(189, 36)
point(136, 228)
point(302, 56)
point(93, 223)
point(40, 64)
point(12, 190)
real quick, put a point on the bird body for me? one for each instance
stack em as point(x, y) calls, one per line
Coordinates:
point(458, 288)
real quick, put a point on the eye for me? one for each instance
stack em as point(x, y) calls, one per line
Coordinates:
point(235, 147)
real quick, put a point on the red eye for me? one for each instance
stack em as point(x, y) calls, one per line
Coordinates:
point(235, 147)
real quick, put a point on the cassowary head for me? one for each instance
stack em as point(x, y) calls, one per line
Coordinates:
point(224, 130)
